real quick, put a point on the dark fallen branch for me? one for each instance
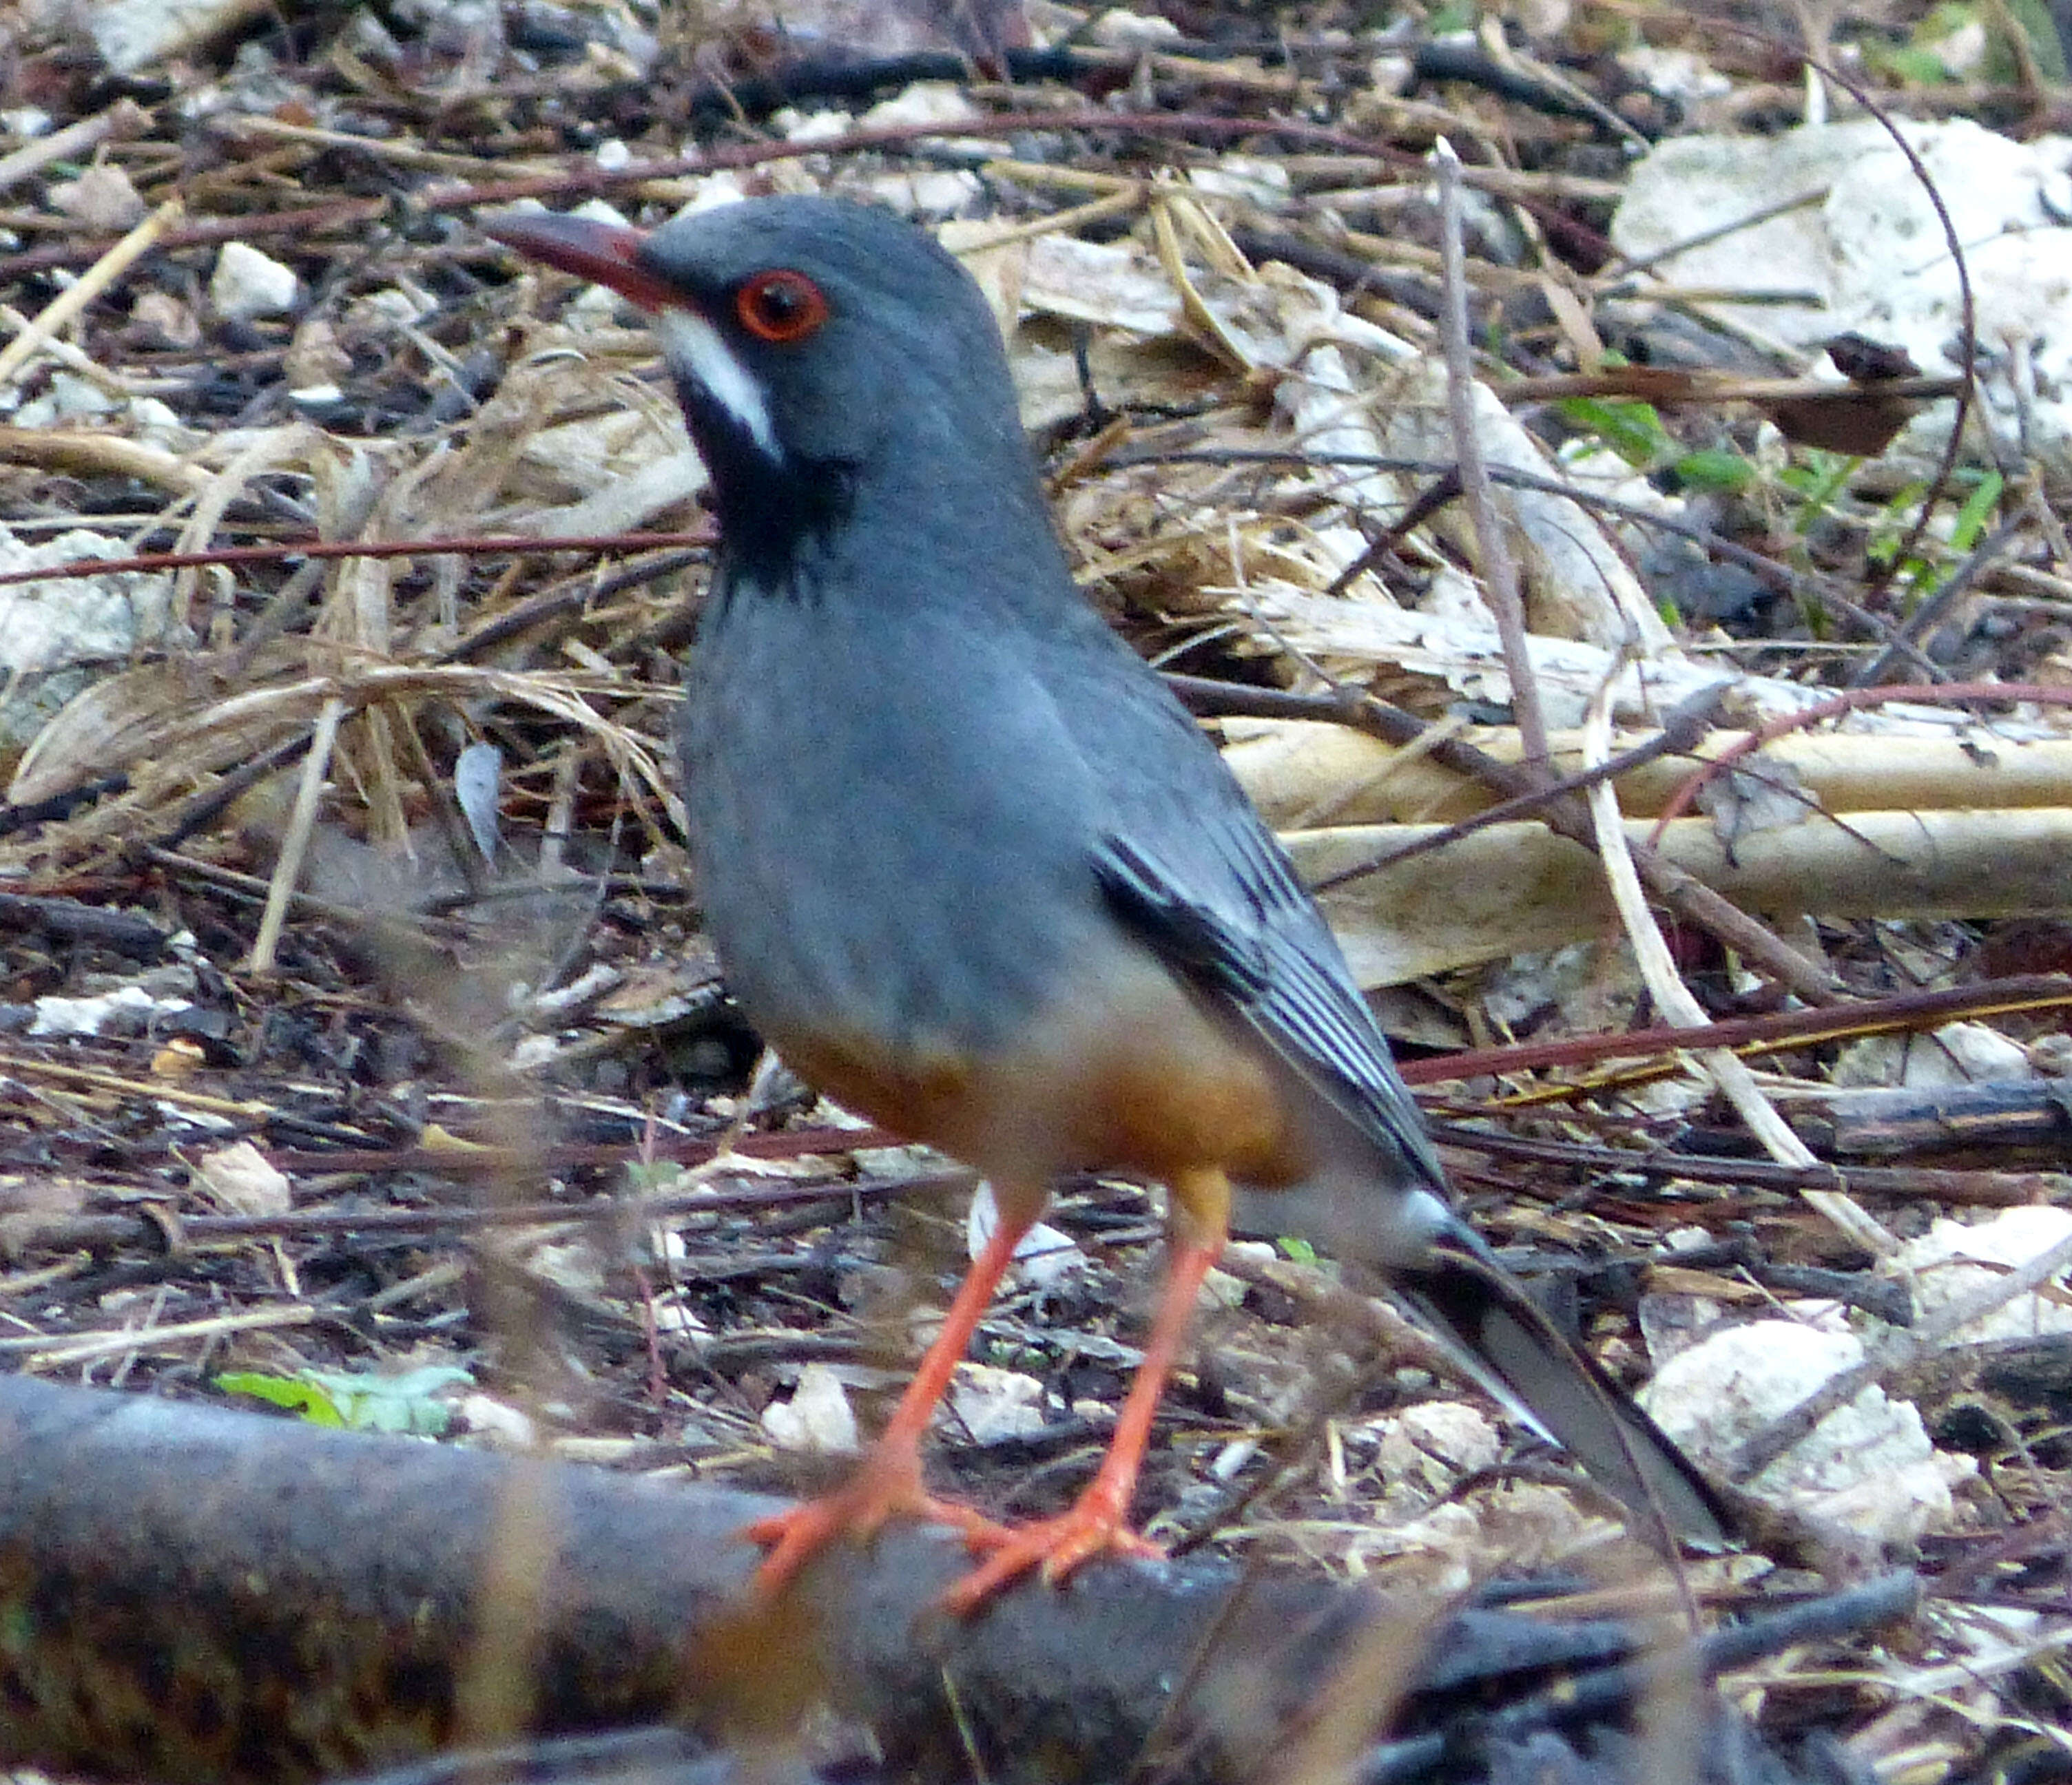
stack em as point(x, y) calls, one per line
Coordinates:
point(857, 79)
point(1887, 1123)
point(188, 1593)
point(74, 920)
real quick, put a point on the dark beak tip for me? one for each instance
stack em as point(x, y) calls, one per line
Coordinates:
point(543, 232)
point(607, 253)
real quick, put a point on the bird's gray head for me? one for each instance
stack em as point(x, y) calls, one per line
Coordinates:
point(817, 346)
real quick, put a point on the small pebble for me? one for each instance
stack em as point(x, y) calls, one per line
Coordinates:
point(246, 284)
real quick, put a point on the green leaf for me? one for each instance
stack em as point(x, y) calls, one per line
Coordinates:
point(1978, 509)
point(1301, 1251)
point(652, 1177)
point(404, 1404)
point(1904, 66)
point(1632, 429)
point(1922, 60)
point(305, 1398)
point(1819, 480)
point(1894, 516)
point(358, 1401)
point(1716, 468)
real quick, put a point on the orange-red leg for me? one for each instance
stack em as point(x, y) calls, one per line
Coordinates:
point(888, 1483)
point(1098, 1522)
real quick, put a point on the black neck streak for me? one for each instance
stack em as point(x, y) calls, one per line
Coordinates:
point(775, 515)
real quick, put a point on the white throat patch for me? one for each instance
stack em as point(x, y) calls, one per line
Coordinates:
point(695, 352)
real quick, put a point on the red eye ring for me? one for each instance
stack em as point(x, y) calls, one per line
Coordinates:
point(780, 305)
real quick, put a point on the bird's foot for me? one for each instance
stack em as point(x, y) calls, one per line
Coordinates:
point(1095, 1526)
point(888, 1485)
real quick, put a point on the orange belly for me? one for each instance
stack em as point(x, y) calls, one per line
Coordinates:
point(1130, 1070)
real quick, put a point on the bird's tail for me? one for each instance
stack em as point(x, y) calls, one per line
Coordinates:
point(1462, 1292)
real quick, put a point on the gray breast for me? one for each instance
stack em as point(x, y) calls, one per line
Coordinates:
point(891, 827)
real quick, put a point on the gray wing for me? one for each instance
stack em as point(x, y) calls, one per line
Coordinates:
point(1274, 963)
point(1185, 862)
point(1188, 865)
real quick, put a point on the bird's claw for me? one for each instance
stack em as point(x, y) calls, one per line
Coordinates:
point(885, 1488)
point(1057, 1546)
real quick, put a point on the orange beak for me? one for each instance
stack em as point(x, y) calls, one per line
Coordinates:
point(608, 254)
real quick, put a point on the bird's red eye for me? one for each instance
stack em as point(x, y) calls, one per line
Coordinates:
point(780, 305)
